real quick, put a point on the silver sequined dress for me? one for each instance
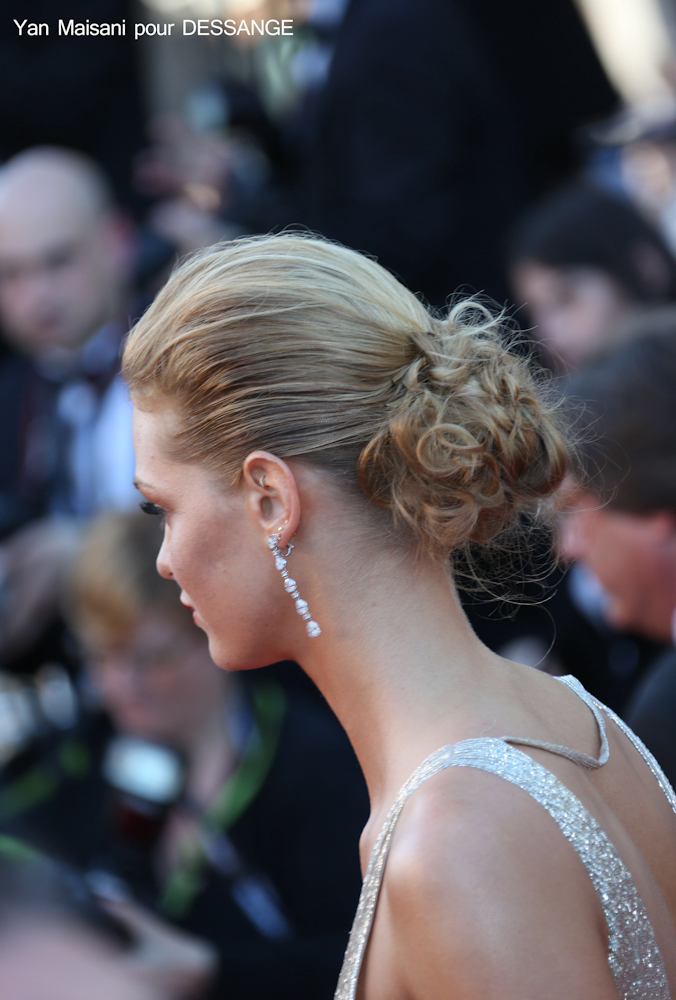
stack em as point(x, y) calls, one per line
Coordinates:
point(633, 956)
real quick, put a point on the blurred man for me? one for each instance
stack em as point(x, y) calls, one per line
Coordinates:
point(584, 261)
point(65, 260)
point(622, 517)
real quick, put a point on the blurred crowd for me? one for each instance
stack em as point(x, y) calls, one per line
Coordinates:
point(166, 829)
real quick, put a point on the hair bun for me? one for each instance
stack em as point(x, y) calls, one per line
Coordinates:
point(471, 439)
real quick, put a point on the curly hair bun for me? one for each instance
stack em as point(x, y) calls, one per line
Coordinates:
point(471, 440)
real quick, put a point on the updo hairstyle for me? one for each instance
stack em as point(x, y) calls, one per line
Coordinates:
point(311, 351)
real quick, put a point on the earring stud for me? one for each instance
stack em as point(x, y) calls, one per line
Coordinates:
point(311, 627)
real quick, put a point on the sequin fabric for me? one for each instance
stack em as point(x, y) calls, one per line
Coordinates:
point(633, 956)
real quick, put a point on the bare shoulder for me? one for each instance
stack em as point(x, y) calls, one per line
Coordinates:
point(484, 897)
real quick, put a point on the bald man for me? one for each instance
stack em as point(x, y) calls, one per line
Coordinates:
point(65, 451)
point(64, 251)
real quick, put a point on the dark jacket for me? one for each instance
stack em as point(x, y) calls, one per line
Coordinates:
point(440, 120)
point(414, 158)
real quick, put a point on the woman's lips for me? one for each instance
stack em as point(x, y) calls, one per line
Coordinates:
point(195, 616)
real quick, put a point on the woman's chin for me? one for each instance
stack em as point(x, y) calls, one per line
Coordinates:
point(227, 658)
point(220, 654)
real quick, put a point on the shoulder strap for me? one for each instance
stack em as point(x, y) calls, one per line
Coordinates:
point(577, 757)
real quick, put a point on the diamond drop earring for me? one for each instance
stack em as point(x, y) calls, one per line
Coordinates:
point(311, 627)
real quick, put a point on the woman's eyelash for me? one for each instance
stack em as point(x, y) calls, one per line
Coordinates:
point(150, 508)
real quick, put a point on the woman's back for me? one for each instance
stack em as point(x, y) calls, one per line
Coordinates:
point(611, 804)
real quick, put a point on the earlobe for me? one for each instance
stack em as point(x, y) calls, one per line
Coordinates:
point(273, 494)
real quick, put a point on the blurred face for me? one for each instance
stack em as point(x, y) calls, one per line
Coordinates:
point(571, 308)
point(215, 549)
point(634, 558)
point(159, 682)
point(62, 268)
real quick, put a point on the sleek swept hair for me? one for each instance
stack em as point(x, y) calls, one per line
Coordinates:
point(312, 351)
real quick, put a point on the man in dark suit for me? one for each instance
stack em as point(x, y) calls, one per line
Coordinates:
point(438, 122)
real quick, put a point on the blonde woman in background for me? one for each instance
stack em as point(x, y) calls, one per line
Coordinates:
point(319, 444)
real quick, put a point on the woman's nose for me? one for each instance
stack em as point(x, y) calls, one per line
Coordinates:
point(163, 560)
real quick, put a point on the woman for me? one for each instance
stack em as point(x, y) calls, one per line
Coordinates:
point(582, 261)
point(306, 427)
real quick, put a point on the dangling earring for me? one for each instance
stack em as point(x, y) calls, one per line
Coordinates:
point(312, 628)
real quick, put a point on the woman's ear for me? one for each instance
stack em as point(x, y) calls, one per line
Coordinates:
point(272, 494)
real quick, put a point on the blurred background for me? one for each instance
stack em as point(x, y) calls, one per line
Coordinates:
point(167, 830)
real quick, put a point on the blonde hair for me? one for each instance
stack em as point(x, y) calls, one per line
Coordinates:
point(312, 351)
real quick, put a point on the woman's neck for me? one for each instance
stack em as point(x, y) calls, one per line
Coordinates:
point(401, 667)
